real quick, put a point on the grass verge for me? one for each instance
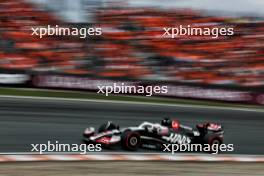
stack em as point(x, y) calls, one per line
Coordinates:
point(89, 95)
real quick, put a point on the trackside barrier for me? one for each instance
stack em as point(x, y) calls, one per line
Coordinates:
point(65, 82)
point(174, 90)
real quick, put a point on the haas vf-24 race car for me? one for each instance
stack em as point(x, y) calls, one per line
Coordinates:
point(154, 135)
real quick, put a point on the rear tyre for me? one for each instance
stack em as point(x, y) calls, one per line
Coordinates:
point(131, 140)
point(214, 143)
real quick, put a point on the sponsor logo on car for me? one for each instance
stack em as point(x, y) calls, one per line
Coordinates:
point(177, 138)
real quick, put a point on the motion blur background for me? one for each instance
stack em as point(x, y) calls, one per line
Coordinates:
point(130, 50)
point(229, 68)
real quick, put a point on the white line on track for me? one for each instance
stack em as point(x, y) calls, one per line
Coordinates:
point(136, 103)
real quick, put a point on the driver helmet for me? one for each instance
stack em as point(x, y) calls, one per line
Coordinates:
point(166, 122)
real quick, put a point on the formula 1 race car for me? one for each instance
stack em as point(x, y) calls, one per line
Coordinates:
point(154, 135)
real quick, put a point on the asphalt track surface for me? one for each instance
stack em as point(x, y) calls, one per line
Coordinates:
point(28, 121)
point(131, 168)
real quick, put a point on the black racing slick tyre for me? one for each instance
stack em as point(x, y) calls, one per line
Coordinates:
point(131, 140)
point(214, 143)
point(107, 126)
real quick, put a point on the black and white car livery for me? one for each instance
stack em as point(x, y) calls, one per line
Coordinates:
point(154, 135)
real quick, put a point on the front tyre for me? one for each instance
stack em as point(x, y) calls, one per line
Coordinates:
point(131, 140)
point(107, 126)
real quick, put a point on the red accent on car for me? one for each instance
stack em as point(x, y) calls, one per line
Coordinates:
point(175, 124)
point(214, 126)
point(104, 140)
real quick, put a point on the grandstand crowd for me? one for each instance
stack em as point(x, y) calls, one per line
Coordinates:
point(132, 47)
